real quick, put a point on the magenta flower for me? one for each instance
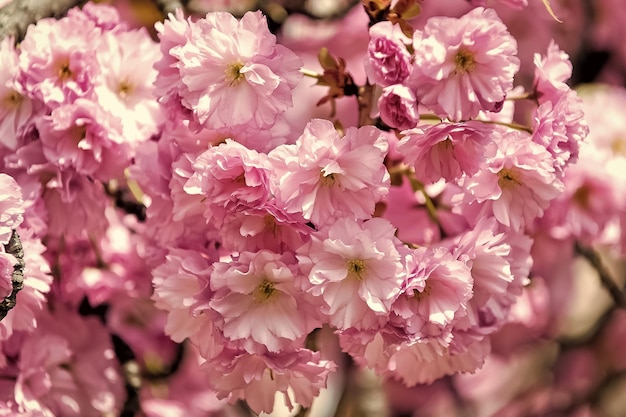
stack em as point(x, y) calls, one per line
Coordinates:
point(388, 61)
point(517, 183)
point(445, 150)
point(356, 269)
point(326, 177)
point(398, 107)
point(230, 176)
point(230, 72)
point(259, 305)
point(464, 65)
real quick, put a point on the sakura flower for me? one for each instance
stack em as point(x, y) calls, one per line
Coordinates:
point(128, 94)
point(298, 374)
point(325, 176)
point(67, 367)
point(178, 281)
point(6, 271)
point(560, 127)
point(16, 108)
point(11, 207)
point(398, 107)
point(230, 176)
point(388, 61)
point(464, 65)
point(267, 227)
point(517, 183)
point(499, 265)
point(57, 60)
point(551, 72)
point(445, 150)
point(83, 136)
point(259, 302)
point(32, 298)
point(356, 269)
point(233, 72)
point(435, 293)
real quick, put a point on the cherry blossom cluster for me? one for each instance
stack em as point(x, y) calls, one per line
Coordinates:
point(171, 205)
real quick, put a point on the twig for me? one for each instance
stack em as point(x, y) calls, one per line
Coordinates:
point(17, 15)
point(607, 281)
point(14, 247)
point(169, 6)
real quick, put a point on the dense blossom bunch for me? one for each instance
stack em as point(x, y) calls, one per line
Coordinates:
point(190, 226)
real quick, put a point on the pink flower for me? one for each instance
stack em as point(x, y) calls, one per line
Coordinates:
point(464, 65)
point(559, 126)
point(326, 177)
point(230, 176)
point(6, 271)
point(388, 61)
point(32, 298)
point(517, 183)
point(232, 72)
point(435, 293)
point(398, 107)
point(124, 92)
point(266, 227)
point(57, 60)
point(298, 374)
point(258, 303)
point(357, 271)
point(83, 136)
point(16, 108)
point(11, 207)
point(178, 284)
point(499, 264)
point(68, 367)
point(445, 150)
point(551, 72)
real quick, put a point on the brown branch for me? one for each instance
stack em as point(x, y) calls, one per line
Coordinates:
point(14, 247)
point(616, 293)
point(17, 15)
point(169, 6)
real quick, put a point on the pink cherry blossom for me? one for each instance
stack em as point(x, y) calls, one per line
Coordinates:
point(464, 65)
point(517, 183)
point(57, 60)
point(84, 137)
point(325, 176)
point(436, 292)
point(67, 367)
point(11, 207)
point(398, 107)
point(356, 269)
point(257, 378)
point(551, 73)
point(445, 150)
point(258, 301)
point(232, 72)
point(16, 108)
point(388, 61)
point(230, 176)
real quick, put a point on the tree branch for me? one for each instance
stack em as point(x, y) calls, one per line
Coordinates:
point(14, 247)
point(17, 15)
point(169, 6)
point(616, 293)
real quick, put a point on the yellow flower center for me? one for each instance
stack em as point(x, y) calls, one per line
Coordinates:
point(125, 88)
point(233, 74)
point(356, 269)
point(264, 292)
point(508, 178)
point(464, 61)
point(12, 100)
